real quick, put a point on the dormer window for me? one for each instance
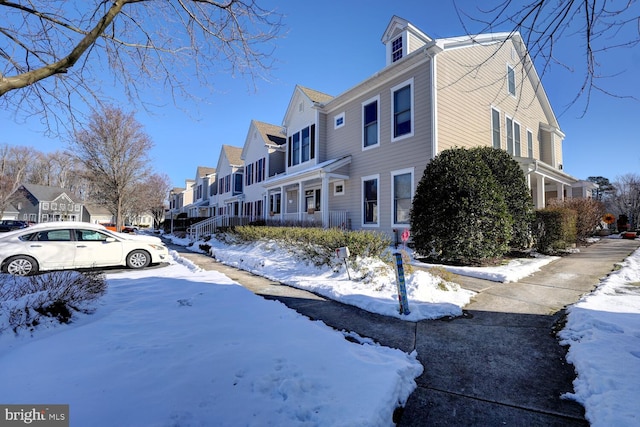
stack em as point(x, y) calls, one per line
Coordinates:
point(396, 49)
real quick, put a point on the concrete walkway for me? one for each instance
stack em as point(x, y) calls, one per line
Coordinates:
point(498, 364)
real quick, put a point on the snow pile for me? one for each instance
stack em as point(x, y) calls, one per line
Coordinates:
point(603, 331)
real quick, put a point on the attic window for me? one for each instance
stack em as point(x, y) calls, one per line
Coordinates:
point(338, 121)
point(396, 49)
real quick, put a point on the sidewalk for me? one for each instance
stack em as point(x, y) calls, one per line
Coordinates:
point(499, 364)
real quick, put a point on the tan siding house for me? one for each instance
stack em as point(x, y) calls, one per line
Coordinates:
point(354, 160)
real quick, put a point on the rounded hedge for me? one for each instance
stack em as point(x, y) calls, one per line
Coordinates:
point(460, 213)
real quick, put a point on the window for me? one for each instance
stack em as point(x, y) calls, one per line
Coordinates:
point(495, 125)
point(237, 183)
point(301, 147)
point(54, 206)
point(396, 49)
point(77, 208)
point(296, 148)
point(338, 188)
point(338, 121)
point(312, 200)
point(305, 144)
point(509, 135)
point(248, 174)
point(63, 206)
point(90, 235)
point(370, 201)
point(530, 143)
point(402, 119)
point(511, 80)
point(45, 217)
point(370, 134)
point(402, 193)
point(275, 203)
point(516, 139)
point(45, 206)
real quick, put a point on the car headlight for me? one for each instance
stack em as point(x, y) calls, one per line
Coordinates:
point(157, 247)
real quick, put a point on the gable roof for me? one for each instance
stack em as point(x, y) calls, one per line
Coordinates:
point(203, 171)
point(315, 96)
point(233, 155)
point(46, 193)
point(271, 134)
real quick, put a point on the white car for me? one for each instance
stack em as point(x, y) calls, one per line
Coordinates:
point(72, 245)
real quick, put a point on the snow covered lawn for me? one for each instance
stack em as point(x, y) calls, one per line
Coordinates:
point(179, 346)
point(603, 331)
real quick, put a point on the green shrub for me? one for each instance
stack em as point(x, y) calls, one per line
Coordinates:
point(459, 213)
point(589, 213)
point(316, 245)
point(517, 195)
point(555, 229)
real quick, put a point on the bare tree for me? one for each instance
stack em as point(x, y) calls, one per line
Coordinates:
point(14, 165)
point(150, 197)
point(627, 197)
point(602, 25)
point(113, 149)
point(53, 50)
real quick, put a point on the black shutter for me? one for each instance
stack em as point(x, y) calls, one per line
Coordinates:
point(289, 152)
point(313, 141)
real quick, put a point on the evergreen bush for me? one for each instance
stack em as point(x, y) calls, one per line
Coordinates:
point(555, 229)
point(459, 213)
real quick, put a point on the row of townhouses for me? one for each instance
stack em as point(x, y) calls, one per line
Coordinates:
point(354, 160)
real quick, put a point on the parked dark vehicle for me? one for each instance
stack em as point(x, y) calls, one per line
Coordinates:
point(12, 224)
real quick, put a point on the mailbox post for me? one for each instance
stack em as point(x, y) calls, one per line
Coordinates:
point(343, 254)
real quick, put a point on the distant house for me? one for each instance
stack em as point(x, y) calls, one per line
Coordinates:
point(97, 214)
point(200, 204)
point(263, 155)
point(41, 203)
point(10, 212)
point(230, 179)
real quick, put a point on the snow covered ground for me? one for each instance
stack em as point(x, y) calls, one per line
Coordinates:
point(603, 331)
point(181, 346)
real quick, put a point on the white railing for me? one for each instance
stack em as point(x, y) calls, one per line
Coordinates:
point(339, 219)
point(209, 226)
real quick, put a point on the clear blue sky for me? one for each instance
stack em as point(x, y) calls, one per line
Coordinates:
point(331, 46)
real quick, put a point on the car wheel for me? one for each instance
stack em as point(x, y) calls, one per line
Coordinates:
point(20, 265)
point(138, 259)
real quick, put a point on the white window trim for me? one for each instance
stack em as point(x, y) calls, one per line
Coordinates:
point(506, 136)
point(517, 140)
point(499, 125)
point(335, 189)
point(530, 152)
point(393, 190)
point(45, 206)
point(362, 212)
point(515, 83)
point(409, 82)
point(335, 121)
point(367, 102)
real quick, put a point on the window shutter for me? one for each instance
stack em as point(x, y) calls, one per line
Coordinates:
point(289, 152)
point(313, 142)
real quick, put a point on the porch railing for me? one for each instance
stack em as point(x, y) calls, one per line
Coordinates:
point(209, 226)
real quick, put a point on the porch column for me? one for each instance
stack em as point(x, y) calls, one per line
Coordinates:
point(324, 200)
point(283, 202)
point(540, 199)
point(301, 206)
point(560, 190)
